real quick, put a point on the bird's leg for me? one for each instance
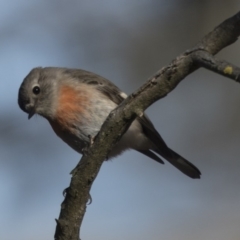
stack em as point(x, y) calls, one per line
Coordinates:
point(88, 144)
point(91, 140)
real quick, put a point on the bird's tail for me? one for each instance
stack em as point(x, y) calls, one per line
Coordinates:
point(179, 162)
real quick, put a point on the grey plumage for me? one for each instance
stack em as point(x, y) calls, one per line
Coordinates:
point(141, 135)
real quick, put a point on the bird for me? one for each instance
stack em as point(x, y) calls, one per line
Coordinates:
point(77, 102)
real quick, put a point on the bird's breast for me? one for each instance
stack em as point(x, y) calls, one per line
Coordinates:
point(80, 113)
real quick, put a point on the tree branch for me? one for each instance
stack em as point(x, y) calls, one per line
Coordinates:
point(222, 67)
point(164, 81)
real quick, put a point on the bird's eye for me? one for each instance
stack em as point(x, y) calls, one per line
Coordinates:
point(36, 90)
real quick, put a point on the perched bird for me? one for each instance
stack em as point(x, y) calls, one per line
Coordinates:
point(77, 102)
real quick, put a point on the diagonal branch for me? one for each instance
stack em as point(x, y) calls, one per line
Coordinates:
point(74, 205)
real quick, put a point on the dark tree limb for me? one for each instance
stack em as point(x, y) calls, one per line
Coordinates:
point(74, 205)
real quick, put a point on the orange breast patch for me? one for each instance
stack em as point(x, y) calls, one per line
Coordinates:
point(72, 105)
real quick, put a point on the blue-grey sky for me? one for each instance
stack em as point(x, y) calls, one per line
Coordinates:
point(133, 197)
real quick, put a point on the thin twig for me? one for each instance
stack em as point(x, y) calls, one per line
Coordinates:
point(222, 67)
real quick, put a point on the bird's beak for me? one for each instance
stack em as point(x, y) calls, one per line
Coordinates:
point(30, 110)
point(31, 113)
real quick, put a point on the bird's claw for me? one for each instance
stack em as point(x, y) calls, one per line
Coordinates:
point(89, 199)
point(65, 191)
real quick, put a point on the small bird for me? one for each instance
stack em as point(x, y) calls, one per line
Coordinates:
point(77, 102)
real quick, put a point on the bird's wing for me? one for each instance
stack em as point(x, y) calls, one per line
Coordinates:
point(117, 96)
point(102, 84)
